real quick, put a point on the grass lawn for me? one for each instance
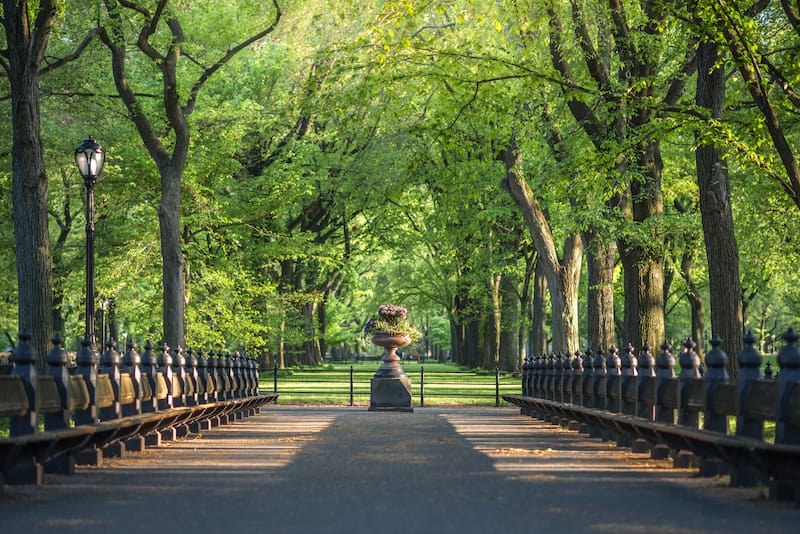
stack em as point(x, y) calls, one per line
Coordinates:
point(444, 384)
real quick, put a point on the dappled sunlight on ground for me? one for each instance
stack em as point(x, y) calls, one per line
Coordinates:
point(521, 444)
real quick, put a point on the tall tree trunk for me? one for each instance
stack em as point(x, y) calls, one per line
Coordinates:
point(509, 350)
point(696, 303)
point(26, 42)
point(525, 302)
point(563, 276)
point(322, 324)
point(491, 351)
point(65, 221)
point(600, 255)
point(725, 291)
point(456, 341)
point(172, 267)
point(282, 346)
point(643, 265)
point(472, 344)
point(538, 335)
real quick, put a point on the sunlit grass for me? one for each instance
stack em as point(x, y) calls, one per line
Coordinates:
point(444, 384)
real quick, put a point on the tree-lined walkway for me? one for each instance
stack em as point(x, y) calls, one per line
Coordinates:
point(294, 469)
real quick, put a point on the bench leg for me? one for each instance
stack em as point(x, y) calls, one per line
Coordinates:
point(27, 472)
point(63, 464)
point(89, 456)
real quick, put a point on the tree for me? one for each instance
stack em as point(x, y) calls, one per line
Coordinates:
point(27, 30)
point(169, 148)
point(722, 250)
point(563, 275)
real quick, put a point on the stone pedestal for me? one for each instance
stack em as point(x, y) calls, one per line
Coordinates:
point(390, 395)
point(390, 388)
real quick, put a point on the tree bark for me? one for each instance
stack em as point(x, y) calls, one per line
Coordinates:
point(643, 264)
point(173, 263)
point(538, 335)
point(725, 290)
point(509, 351)
point(26, 44)
point(472, 344)
point(491, 352)
point(600, 254)
point(563, 277)
point(698, 310)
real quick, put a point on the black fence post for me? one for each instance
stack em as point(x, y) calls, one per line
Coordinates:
point(786, 430)
point(422, 386)
point(746, 425)
point(24, 366)
point(351, 385)
point(275, 378)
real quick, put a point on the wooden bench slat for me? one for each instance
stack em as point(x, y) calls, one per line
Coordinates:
point(189, 386)
point(793, 406)
point(48, 398)
point(78, 394)
point(126, 393)
point(104, 394)
point(177, 391)
point(761, 400)
point(693, 394)
point(723, 399)
point(647, 390)
point(670, 394)
point(13, 398)
point(147, 391)
point(161, 387)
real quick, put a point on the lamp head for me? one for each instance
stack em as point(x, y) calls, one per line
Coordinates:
point(90, 158)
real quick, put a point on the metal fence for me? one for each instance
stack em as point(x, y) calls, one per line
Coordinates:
point(352, 386)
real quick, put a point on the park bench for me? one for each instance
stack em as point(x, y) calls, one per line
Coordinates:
point(88, 415)
point(683, 415)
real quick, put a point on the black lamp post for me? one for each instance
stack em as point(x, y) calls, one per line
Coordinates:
point(90, 158)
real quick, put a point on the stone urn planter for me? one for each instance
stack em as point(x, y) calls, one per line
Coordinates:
point(391, 361)
point(390, 388)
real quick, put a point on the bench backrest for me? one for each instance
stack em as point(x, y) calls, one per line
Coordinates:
point(48, 398)
point(13, 398)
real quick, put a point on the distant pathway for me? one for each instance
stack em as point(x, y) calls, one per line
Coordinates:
point(311, 470)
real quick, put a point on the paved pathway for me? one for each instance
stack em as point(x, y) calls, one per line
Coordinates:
point(311, 470)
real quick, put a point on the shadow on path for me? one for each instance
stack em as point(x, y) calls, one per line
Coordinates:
point(348, 470)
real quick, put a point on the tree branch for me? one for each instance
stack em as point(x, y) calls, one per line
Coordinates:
point(157, 150)
point(596, 68)
point(45, 18)
point(148, 30)
point(207, 73)
point(792, 15)
point(433, 27)
point(782, 82)
point(140, 9)
point(71, 94)
point(580, 110)
point(677, 86)
point(622, 36)
point(74, 55)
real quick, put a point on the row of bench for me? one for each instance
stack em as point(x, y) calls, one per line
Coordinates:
point(640, 398)
point(113, 405)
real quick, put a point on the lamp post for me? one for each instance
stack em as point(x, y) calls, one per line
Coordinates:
point(90, 158)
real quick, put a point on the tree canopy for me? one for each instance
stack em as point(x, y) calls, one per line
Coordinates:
point(521, 175)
